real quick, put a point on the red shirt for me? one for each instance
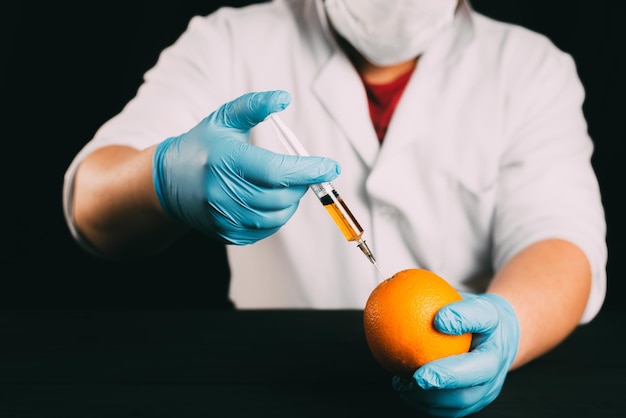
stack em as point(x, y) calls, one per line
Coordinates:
point(383, 99)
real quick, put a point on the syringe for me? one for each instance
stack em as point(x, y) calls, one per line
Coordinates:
point(327, 194)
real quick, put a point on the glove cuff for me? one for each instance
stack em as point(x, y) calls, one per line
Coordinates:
point(508, 316)
point(158, 173)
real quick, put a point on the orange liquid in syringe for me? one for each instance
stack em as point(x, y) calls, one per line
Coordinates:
point(342, 216)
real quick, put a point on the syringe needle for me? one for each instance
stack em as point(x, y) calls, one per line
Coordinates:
point(380, 273)
point(370, 256)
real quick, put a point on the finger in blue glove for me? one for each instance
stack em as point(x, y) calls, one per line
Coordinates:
point(212, 179)
point(460, 385)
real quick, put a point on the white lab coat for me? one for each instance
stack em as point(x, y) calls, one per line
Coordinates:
point(487, 151)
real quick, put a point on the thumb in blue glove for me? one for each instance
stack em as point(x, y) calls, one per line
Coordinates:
point(213, 180)
point(460, 385)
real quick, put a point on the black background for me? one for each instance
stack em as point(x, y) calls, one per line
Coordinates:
point(66, 69)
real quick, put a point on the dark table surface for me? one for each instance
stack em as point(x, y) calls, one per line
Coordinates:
point(279, 363)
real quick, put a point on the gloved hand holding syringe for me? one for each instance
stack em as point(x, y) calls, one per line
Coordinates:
point(326, 193)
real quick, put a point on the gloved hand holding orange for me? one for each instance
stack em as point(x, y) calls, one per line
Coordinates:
point(398, 321)
point(450, 353)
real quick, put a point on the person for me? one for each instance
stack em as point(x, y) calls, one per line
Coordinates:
point(458, 142)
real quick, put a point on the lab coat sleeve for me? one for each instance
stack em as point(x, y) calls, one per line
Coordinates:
point(548, 187)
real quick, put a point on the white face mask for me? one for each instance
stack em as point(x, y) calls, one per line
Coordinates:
point(388, 32)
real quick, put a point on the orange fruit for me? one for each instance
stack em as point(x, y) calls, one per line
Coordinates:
point(398, 321)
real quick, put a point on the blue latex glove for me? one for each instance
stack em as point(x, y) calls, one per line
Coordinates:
point(213, 180)
point(460, 385)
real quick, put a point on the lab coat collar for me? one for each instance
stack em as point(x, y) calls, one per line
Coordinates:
point(339, 89)
point(452, 42)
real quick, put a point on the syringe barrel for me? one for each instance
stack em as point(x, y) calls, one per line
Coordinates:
point(338, 210)
point(325, 192)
